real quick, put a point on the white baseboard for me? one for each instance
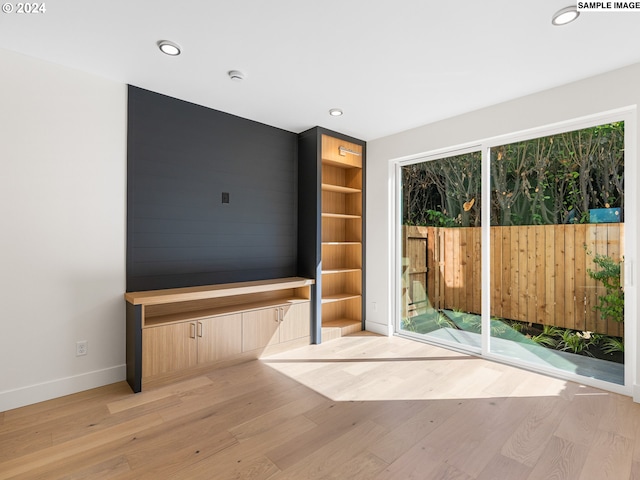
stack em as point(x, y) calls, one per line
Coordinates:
point(636, 393)
point(60, 387)
point(379, 328)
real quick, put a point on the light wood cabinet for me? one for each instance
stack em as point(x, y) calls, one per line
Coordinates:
point(177, 329)
point(219, 337)
point(169, 348)
point(272, 326)
point(174, 347)
point(332, 246)
point(260, 328)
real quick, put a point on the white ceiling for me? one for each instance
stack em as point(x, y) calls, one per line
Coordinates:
point(390, 65)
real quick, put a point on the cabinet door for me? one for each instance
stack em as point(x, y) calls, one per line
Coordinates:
point(296, 322)
point(168, 348)
point(219, 337)
point(260, 328)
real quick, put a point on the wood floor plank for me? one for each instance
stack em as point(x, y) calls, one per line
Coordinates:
point(17, 444)
point(620, 416)
point(97, 471)
point(248, 457)
point(422, 463)
point(580, 421)
point(501, 467)
point(345, 416)
point(561, 459)
point(133, 401)
point(363, 466)
point(263, 423)
point(469, 439)
point(39, 413)
point(432, 414)
point(333, 455)
point(529, 439)
point(610, 456)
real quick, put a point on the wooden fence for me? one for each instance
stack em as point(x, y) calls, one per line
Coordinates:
point(538, 273)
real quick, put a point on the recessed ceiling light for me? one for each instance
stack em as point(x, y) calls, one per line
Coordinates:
point(565, 15)
point(169, 48)
point(335, 112)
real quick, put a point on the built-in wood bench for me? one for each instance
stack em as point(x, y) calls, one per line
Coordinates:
point(174, 330)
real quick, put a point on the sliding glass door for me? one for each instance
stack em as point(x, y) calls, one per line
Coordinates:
point(530, 271)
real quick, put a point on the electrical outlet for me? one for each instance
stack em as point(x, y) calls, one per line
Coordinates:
point(82, 348)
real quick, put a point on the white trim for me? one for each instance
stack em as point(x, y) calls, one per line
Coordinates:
point(636, 393)
point(630, 238)
point(437, 154)
point(60, 387)
point(626, 114)
point(379, 328)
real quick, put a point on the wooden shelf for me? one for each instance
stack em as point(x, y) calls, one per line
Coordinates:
point(340, 270)
point(339, 188)
point(172, 295)
point(340, 215)
point(340, 297)
point(340, 243)
point(217, 311)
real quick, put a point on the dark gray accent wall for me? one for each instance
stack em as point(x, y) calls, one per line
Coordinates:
point(182, 158)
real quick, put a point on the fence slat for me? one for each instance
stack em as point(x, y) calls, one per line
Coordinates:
point(591, 298)
point(580, 276)
point(496, 272)
point(507, 290)
point(569, 277)
point(539, 273)
point(550, 275)
point(532, 277)
point(477, 270)
point(523, 277)
point(559, 274)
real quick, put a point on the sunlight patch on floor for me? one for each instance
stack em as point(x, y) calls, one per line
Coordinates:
point(393, 368)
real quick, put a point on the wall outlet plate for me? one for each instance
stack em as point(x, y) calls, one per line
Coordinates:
point(82, 348)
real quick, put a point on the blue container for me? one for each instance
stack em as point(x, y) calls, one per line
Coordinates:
point(604, 215)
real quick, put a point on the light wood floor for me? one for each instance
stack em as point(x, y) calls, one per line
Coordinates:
point(362, 407)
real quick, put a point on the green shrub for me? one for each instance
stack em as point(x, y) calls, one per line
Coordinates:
point(612, 304)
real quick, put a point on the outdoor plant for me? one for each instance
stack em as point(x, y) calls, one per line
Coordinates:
point(408, 324)
point(444, 322)
point(575, 342)
point(611, 345)
point(612, 304)
point(545, 340)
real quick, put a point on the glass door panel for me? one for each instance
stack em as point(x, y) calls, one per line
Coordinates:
point(557, 246)
point(441, 250)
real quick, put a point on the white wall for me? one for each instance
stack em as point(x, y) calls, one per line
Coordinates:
point(62, 239)
point(605, 92)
